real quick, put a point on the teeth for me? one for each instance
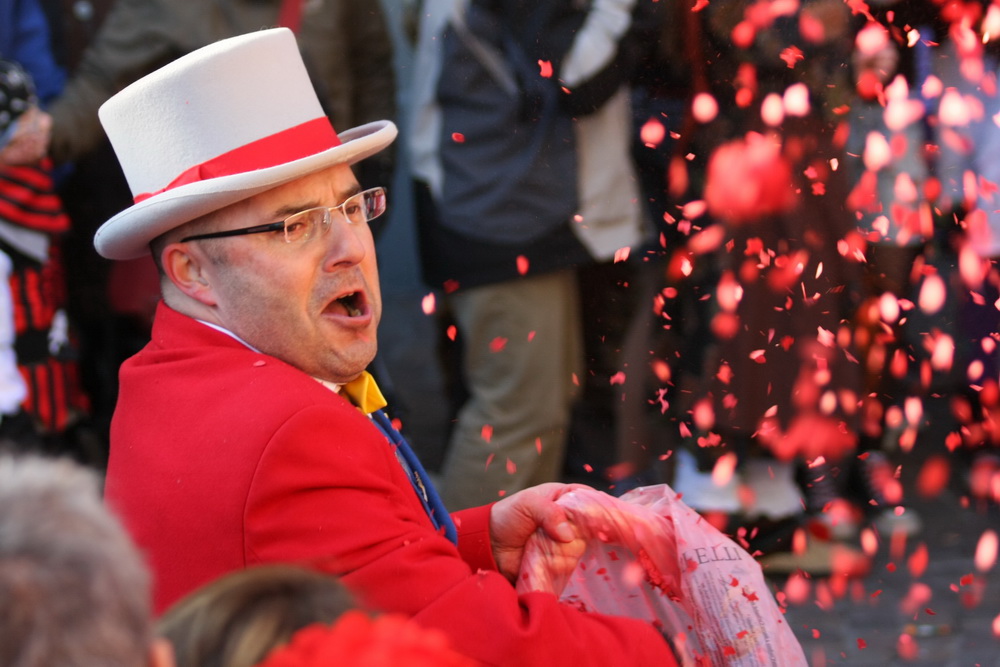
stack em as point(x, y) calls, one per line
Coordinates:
point(348, 302)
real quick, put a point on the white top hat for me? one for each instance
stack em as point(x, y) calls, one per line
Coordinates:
point(217, 126)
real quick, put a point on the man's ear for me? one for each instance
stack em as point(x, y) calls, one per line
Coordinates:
point(161, 654)
point(185, 267)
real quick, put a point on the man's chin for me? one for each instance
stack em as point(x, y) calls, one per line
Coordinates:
point(346, 367)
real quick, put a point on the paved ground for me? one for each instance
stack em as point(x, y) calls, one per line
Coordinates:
point(904, 613)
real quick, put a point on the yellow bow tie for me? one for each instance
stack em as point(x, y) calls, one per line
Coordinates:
point(364, 393)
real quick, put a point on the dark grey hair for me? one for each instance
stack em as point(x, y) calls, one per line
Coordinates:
point(73, 588)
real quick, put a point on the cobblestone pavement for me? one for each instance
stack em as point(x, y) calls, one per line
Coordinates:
point(924, 602)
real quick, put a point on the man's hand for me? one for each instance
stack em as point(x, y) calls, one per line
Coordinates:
point(516, 518)
point(30, 141)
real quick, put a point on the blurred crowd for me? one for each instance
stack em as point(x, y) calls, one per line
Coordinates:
point(752, 256)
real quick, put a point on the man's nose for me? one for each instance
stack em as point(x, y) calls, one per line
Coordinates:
point(344, 241)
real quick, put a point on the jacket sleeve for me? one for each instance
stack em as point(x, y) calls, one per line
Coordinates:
point(605, 53)
point(333, 496)
point(30, 47)
point(134, 40)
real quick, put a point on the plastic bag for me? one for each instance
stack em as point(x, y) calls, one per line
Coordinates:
point(649, 556)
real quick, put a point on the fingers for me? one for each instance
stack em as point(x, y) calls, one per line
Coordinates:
point(30, 141)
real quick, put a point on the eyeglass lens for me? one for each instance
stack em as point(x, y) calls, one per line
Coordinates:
point(357, 209)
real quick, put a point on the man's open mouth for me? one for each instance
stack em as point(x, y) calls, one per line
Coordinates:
point(352, 303)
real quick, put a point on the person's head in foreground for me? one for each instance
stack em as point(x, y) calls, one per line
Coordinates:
point(73, 589)
point(286, 615)
point(236, 620)
point(246, 198)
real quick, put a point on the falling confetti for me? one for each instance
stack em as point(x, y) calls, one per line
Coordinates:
point(772, 110)
point(932, 294)
point(704, 108)
point(986, 551)
point(427, 304)
point(652, 133)
point(917, 563)
point(933, 476)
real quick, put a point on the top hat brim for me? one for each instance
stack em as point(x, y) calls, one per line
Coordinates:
point(127, 234)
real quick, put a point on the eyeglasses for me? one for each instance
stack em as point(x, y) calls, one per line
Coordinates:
point(302, 226)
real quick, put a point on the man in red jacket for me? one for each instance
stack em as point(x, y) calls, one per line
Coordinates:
point(247, 430)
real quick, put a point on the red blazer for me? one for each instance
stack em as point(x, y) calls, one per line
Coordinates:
point(222, 458)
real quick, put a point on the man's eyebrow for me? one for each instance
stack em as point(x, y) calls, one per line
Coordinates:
point(289, 209)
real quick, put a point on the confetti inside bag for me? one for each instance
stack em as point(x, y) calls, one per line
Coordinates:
point(649, 556)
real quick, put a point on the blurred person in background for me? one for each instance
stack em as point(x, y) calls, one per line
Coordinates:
point(527, 200)
point(41, 396)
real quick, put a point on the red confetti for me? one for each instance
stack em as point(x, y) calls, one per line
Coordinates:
point(652, 133)
point(704, 108)
point(792, 55)
point(748, 178)
point(986, 550)
point(545, 69)
point(811, 28)
point(511, 467)
point(918, 561)
point(862, 643)
point(428, 304)
point(522, 264)
point(486, 433)
point(907, 647)
point(498, 344)
point(933, 476)
point(458, 137)
point(743, 34)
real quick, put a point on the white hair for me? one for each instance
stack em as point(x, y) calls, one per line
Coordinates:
point(73, 588)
